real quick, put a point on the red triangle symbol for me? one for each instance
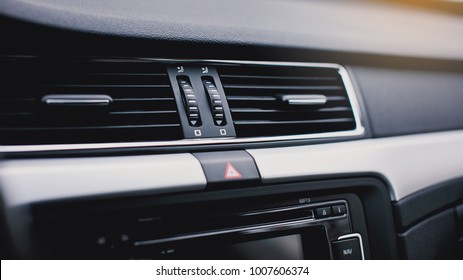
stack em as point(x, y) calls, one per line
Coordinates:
point(231, 172)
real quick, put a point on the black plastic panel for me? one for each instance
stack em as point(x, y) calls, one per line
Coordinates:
point(417, 206)
point(352, 26)
point(429, 222)
point(406, 101)
point(434, 238)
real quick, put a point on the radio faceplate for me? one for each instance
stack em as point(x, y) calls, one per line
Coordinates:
point(291, 232)
point(204, 226)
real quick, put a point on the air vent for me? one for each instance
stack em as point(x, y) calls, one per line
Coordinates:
point(67, 101)
point(286, 100)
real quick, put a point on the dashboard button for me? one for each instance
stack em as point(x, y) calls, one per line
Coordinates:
point(347, 249)
point(229, 166)
point(324, 212)
point(338, 210)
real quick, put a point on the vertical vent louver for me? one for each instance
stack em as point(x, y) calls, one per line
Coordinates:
point(286, 100)
point(142, 106)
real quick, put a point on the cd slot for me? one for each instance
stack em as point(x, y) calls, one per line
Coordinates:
point(280, 214)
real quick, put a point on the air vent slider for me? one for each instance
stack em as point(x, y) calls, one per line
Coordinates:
point(305, 100)
point(77, 100)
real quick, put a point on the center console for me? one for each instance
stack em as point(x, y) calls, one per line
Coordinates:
point(311, 220)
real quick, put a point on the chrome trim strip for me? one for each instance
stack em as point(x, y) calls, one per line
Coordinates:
point(354, 235)
point(40, 180)
point(305, 100)
point(77, 100)
point(358, 131)
point(408, 163)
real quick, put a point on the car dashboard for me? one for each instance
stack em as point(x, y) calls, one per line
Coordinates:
point(230, 130)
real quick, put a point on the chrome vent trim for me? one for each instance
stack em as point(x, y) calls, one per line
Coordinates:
point(358, 131)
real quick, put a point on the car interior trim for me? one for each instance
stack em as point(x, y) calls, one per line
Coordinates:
point(358, 131)
point(414, 208)
point(28, 181)
point(409, 163)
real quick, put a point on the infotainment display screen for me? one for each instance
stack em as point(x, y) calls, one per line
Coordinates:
point(287, 247)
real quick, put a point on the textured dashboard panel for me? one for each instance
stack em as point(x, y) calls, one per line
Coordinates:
point(424, 203)
point(353, 26)
point(410, 101)
point(434, 238)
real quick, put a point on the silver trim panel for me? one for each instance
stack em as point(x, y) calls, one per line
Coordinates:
point(408, 163)
point(39, 180)
point(358, 131)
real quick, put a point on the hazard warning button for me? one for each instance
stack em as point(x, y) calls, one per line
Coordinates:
point(231, 172)
point(230, 166)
